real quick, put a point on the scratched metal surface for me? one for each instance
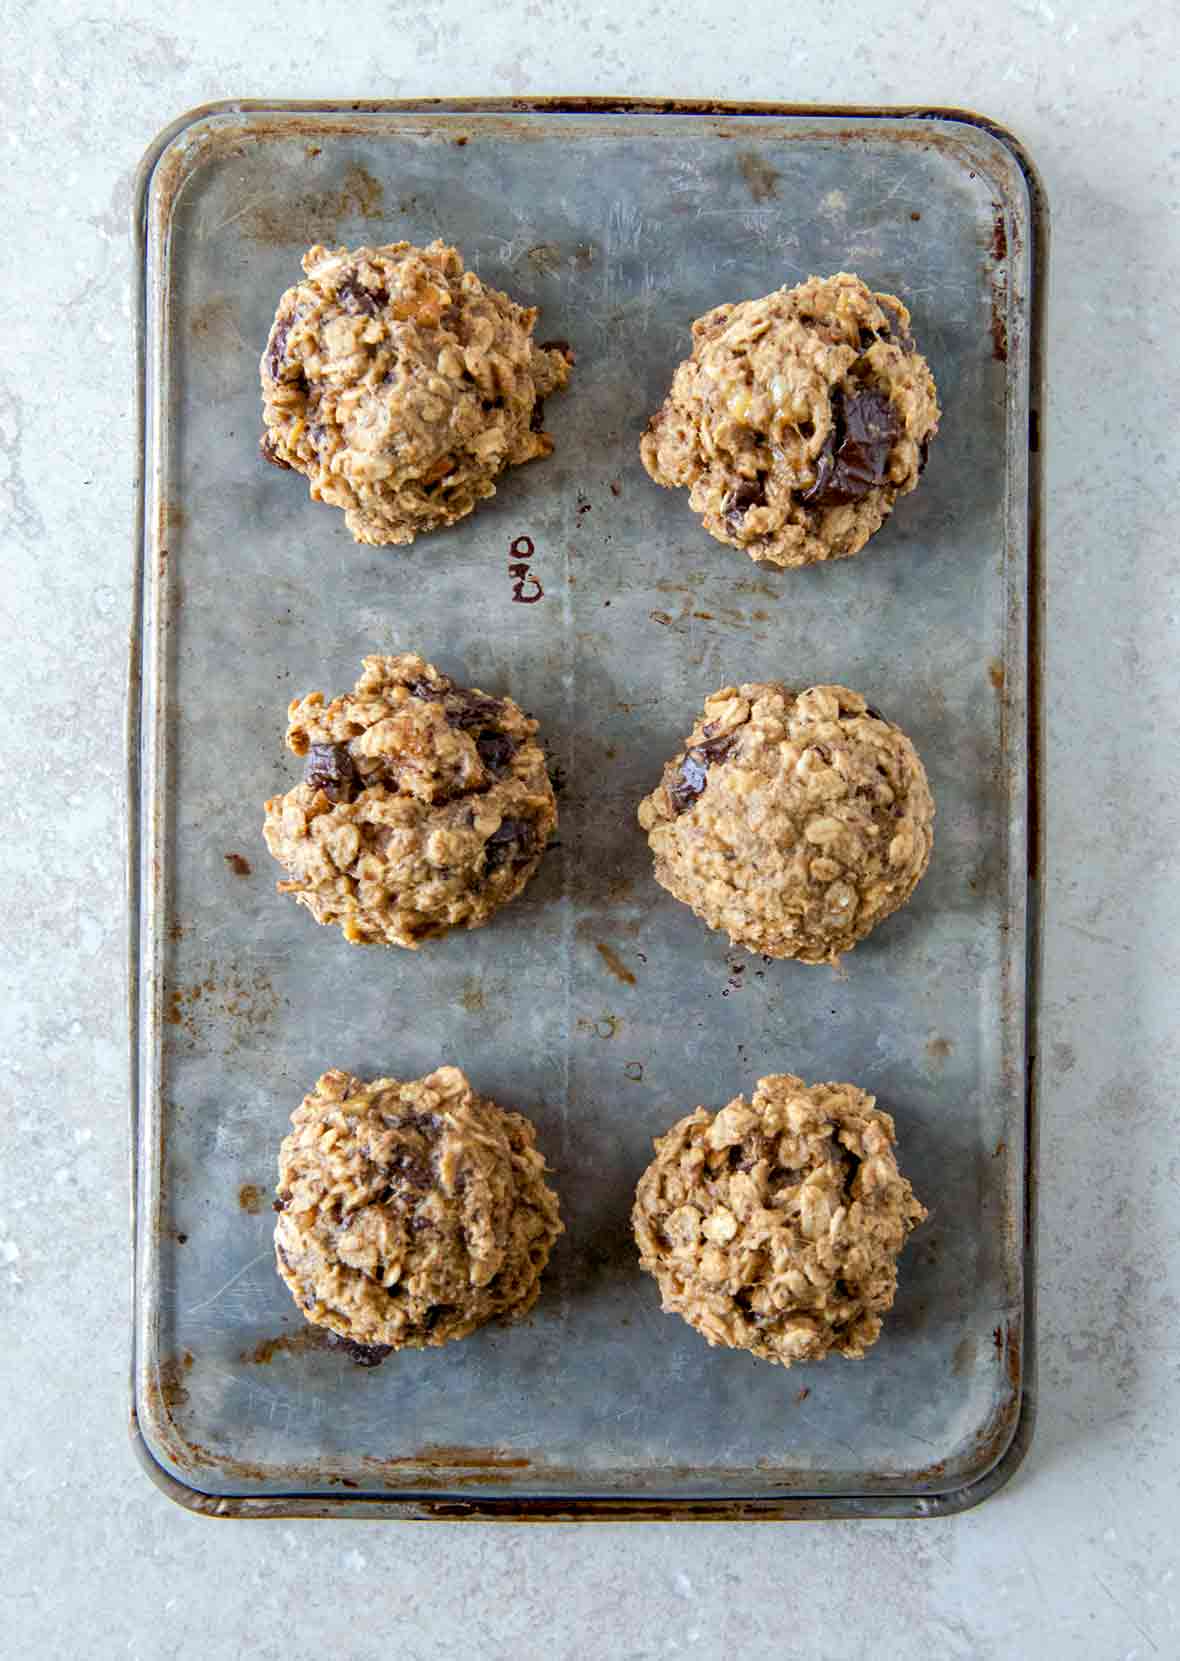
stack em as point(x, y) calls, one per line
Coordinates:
point(596, 1004)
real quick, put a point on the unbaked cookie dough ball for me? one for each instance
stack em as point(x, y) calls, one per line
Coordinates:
point(410, 1214)
point(424, 806)
point(794, 821)
point(774, 1225)
point(401, 386)
point(798, 420)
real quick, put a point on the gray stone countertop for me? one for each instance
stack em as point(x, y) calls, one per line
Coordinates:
point(1078, 1556)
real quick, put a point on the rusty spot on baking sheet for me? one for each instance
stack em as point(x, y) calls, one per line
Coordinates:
point(915, 215)
point(226, 1004)
point(250, 1198)
point(999, 327)
point(939, 1048)
point(174, 516)
point(1012, 1357)
point(616, 488)
point(606, 1026)
point(1000, 1149)
point(761, 179)
point(999, 237)
point(545, 257)
point(963, 1360)
point(614, 963)
point(311, 151)
point(286, 1343)
point(481, 1459)
point(238, 864)
point(314, 216)
point(995, 674)
point(180, 1238)
point(460, 140)
point(215, 322)
point(169, 1381)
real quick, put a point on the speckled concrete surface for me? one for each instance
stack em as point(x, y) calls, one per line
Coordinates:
point(1078, 1556)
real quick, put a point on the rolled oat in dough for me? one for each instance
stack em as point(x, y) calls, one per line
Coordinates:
point(794, 822)
point(798, 421)
point(424, 807)
point(774, 1225)
point(410, 1213)
point(401, 386)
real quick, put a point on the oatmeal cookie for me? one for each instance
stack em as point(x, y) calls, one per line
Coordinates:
point(401, 386)
point(410, 1213)
point(798, 420)
point(793, 821)
point(424, 806)
point(774, 1225)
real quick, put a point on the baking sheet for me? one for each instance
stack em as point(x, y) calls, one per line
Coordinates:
point(595, 1004)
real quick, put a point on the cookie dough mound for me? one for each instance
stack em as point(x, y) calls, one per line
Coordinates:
point(401, 386)
point(410, 1214)
point(793, 821)
point(424, 806)
point(774, 1226)
point(798, 420)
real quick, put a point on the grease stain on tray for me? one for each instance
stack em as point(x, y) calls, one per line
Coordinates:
point(314, 216)
point(614, 963)
point(224, 1007)
point(285, 1343)
point(761, 179)
point(250, 1198)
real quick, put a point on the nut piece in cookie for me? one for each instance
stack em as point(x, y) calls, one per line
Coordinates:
point(792, 821)
point(410, 1213)
point(424, 807)
point(798, 421)
point(401, 386)
point(774, 1226)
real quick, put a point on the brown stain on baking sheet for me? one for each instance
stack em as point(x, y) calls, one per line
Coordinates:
point(938, 1049)
point(999, 242)
point(215, 323)
point(995, 674)
point(314, 216)
point(761, 179)
point(545, 257)
point(472, 998)
point(238, 864)
point(250, 1198)
point(614, 963)
point(458, 1457)
point(286, 1343)
point(225, 1006)
point(999, 324)
point(168, 1384)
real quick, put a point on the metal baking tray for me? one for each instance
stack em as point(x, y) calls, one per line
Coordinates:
point(595, 1004)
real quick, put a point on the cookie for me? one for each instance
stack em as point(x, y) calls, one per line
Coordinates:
point(401, 386)
point(410, 1213)
point(794, 822)
point(798, 420)
point(424, 807)
point(774, 1225)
